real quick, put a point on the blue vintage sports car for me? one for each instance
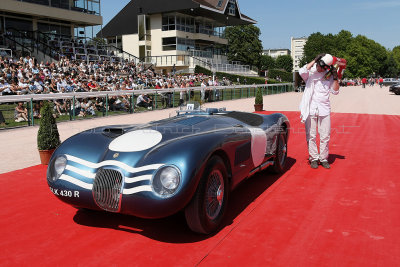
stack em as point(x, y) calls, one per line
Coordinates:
point(188, 162)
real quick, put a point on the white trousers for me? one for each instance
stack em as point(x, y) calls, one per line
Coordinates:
point(323, 123)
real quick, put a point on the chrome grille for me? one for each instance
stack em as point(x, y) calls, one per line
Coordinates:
point(107, 189)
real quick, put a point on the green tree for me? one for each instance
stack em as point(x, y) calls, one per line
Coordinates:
point(318, 43)
point(390, 67)
point(359, 61)
point(342, 41)
point(396, 56)
point(267, 62)
point(302, 61)
point(244, 44)
point(369, 54)
point(380, 55)
point(365, 57)
point(98, 40)
point(285, 62)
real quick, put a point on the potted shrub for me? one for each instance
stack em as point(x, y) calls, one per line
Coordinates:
point(258, 103)
point(48, 138)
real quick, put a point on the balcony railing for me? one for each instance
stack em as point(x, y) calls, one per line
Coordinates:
point(85, 6)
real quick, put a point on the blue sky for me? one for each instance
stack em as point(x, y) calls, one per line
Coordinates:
point(282, 19)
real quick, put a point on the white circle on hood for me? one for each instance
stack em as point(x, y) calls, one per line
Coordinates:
point(136, 141)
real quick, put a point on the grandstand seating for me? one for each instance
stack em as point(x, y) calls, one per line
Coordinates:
point(24, 43)
point(56, 46)
point(88, 49)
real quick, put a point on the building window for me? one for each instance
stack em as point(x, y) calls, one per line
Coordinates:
point(19, 24)
point(181, 44)
point(144, 28)
point(50, 28)
point(220, 3)
point(168, 23)
point(232, 7)
point(190, 24)
point(185, 44)
point(1, 24)
point(60, 3)
point(86, 6)
point(179, 23)
point(39, 2)
point(93, 7)
point(169, 43)
point(164, 23)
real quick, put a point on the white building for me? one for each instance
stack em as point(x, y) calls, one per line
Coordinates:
point(274, 53)
point(297, 48)
point(175, 33)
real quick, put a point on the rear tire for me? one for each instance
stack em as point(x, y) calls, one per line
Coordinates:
point(206, 210)
point(280, 154)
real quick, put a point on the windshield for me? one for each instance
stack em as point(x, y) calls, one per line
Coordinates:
point(190, 106)
point(193, 107)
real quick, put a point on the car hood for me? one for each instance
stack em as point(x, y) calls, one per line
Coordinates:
point(130, 143)
point(165, 130)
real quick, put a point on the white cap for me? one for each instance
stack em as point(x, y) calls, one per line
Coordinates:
point(327, 59)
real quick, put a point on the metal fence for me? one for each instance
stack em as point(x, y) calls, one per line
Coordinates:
point(161, 98)
point(232, 68)
point(5, 52)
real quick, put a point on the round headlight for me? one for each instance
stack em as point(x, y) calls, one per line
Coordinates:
point(169, 178)
point(59, 165)
point(166, 181)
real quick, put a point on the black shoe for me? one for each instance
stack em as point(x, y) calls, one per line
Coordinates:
point(325, 164)
point(314, 164)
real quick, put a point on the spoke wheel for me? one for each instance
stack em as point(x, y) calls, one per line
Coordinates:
point(282, 151)
point(280, 154)
point(215, 194)
point(206, 210)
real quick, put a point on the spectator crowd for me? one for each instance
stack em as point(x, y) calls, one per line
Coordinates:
point(27, 76)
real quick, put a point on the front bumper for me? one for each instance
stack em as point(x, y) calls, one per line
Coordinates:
point(116, 187)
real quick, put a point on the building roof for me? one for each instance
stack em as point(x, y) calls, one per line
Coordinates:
point(125, 22)
point(213, 4)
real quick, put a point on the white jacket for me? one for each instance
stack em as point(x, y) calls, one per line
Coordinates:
point(315, 98)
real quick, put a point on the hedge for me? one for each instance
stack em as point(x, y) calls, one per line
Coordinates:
point(285, 76)
point(233, 77)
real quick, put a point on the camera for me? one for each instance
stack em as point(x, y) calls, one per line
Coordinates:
point(322, 64)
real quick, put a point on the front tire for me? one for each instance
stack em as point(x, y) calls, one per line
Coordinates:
point(208, 206)
point(280, 154)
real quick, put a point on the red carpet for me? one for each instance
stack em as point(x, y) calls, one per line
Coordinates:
point(346, 216)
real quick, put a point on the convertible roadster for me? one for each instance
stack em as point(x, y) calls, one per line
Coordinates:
point(189, 162)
